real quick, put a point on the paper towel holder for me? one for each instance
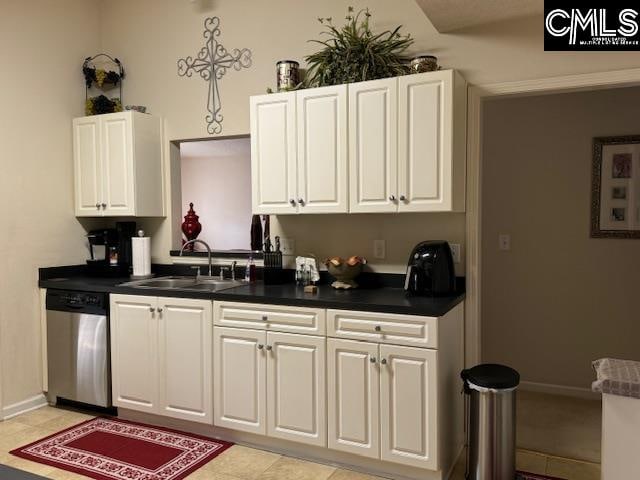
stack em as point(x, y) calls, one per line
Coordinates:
point(133, 248)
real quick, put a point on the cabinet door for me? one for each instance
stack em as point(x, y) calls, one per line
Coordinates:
point(87, 167)
point(409, 406)
point(134, 352)
point(117, 164)
point(186, 338)
point(296, 388)
point(322, 150)
point(373, 156)
point(273, 153)
point(353, 393)
point(239, 379)
point(425, 142)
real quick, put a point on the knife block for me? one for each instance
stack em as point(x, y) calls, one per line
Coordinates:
point(273, 273)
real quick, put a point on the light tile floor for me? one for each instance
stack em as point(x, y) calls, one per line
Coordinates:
point(243, 463)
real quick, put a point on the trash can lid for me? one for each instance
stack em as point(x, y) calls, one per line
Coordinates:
point(491, 375)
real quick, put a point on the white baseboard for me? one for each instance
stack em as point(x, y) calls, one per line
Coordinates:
point(33, 403)
point(564, 390)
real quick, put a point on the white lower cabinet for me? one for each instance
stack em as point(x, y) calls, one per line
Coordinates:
point(296, 388)
point(353, 393)
point(185, 328)
point(161, 355)
point(239, 379)
point(134, 353)
point(383, 402)
point(409, 406)
point(270, 383)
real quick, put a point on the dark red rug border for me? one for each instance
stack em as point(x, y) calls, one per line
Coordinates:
point(19, 453)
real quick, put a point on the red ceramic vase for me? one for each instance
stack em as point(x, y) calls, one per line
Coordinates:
point(191, 226)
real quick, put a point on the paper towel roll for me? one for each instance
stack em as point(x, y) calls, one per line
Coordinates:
point(141, 253)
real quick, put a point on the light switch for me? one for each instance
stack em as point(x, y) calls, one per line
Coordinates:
point(504, 241)
point(379, 249)
point(288, 246)
point(455, 252)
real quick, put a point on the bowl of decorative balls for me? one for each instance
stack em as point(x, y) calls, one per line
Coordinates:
point(345, 271)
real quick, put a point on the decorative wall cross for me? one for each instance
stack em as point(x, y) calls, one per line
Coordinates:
point(212, 63)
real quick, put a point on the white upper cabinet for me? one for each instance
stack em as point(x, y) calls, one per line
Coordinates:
point(390, 145)
point(322, 150)
point(273, 153)
point(373, 156)
point(431, 142)
point(118, 165)
point(88, 175)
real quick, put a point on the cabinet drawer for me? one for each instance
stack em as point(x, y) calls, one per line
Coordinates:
point(270, 317)
point(383, 327)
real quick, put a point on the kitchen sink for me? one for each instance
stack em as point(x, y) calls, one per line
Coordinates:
point(207, 284)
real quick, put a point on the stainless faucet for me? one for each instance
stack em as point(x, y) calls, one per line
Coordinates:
point(190, 242)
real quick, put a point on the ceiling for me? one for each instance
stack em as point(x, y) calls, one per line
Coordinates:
point(450, 15)
point(234, 147)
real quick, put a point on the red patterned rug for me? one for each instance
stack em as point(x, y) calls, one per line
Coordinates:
point(112, 449)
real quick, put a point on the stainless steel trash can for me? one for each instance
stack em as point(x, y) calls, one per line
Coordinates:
point(491, 421)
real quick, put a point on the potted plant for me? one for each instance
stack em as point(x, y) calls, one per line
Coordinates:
point(353, 53)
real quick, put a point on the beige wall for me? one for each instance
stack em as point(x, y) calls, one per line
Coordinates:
point(42, 46)
point(558, 299)
point(150, 36)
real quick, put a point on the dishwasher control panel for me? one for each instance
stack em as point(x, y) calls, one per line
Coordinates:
point(67, 300)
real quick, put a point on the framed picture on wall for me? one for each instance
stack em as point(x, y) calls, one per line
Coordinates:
point(615, 187)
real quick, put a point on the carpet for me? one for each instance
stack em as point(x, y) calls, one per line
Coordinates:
point(112, 449)
point(10, 473)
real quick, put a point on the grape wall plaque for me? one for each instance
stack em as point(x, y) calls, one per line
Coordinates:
point(211, 63)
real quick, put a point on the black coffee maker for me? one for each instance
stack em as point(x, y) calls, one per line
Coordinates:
point(110, 250)
point(430, 270)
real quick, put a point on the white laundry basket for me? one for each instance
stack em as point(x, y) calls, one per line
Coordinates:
point(619, 383)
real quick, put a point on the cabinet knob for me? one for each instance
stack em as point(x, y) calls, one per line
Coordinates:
point(159, 310)
point(301, 201)
point(372, 359)
point(392, 198)
point(292, 202)
point(152, 310)
point(383, 361)
point(269, 348)
point(403, 198)
point(265, 318)
point(98, 206)
point(104, 205)
point(378, 328)
point(260, 346)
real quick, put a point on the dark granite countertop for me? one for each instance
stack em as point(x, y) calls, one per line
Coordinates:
point(381, 299)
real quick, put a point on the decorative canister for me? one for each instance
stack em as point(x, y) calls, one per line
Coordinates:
point(288, 77)
point(424, 63)
point(191, 226)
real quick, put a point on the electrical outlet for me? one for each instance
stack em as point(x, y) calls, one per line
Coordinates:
point(379, 249)
point(288, 246)
point(455, 252)
point(504, 242)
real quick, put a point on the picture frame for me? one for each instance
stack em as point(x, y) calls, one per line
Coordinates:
point(615, 187)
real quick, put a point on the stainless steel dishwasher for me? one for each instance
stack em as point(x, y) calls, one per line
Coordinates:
point(78, 353)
